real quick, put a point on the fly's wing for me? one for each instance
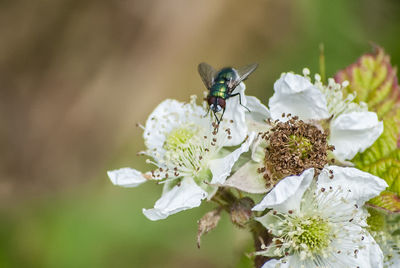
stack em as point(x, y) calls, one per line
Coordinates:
point(207, 74)
point(244, 72)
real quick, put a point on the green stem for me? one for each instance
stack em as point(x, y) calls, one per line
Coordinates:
point(224, 198)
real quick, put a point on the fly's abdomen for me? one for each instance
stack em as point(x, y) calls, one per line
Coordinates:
point(219, 90)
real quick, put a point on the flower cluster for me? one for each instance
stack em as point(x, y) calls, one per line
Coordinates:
point(296, 155)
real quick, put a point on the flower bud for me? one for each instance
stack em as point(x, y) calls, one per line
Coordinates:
point(241, 211)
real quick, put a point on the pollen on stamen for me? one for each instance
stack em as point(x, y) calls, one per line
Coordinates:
point(140, 126)
point(306, 72)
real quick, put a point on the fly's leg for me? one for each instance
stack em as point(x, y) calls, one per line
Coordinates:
point(240, 100)
point(216, 117)
point(208, 110)
point(220, 119)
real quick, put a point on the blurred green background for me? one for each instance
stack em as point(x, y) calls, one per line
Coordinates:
point(76, 75)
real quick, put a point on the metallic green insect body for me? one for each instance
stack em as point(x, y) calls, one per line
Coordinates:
point(221, 85)
point(220, 88)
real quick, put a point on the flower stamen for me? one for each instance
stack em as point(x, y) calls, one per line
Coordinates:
point(294, 146)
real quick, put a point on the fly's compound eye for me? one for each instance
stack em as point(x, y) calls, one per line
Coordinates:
point(221, 103)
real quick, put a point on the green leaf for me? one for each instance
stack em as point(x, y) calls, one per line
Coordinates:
point(383, 157)
point(374, 81)
point(245, 262)
point(386, 200)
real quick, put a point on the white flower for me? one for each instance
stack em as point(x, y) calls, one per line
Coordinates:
point(352, 128)
point(386, 235)
point(192, 158)
point(280, 150)
point(391, 250)
point(321, 224)
point(127, 177)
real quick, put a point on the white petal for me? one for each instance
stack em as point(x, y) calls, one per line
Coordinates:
point(371, 256)
point(169, 115)
point(236, 112)
point(247, 179)
point(258, 149)
point(271, 222)
point(277, 264)
point(258, 111)
point(296, 95)
point(358, 186)
point(354, 132)
point(126, 177)
point(210, 189)
point(256, 118)
point(394, 262)
point(288, 193)
point(186, 196)
point(222, 167)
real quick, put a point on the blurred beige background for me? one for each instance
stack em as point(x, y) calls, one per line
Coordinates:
point(77, 75)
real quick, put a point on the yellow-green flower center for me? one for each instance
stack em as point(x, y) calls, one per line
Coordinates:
point(186, 151)
point(312, 232)
point(300, 144)
point(178, 138)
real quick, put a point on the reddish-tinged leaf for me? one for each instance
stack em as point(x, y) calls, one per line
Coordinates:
point(388, 201)
point(374, 81)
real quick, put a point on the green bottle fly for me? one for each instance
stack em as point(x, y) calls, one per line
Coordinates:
point(221, 85)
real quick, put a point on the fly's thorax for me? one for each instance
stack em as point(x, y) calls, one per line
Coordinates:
point(227, 74)
point(292, 147)
point(219, 90)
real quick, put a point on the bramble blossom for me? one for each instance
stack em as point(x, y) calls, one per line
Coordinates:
point(322, 223)
point(191, 156)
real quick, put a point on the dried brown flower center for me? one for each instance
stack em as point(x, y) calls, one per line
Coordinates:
point(293, 147)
